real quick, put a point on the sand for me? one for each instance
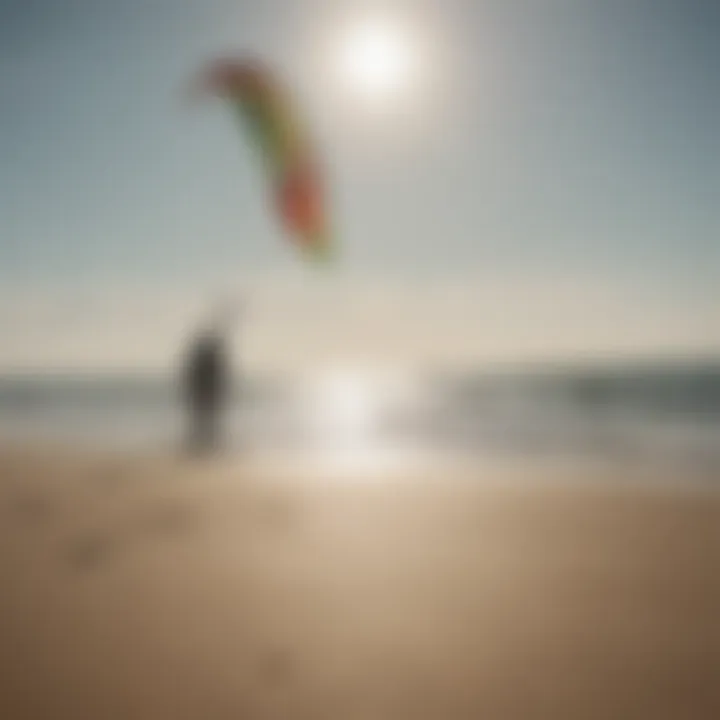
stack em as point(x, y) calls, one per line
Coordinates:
point(153, 588)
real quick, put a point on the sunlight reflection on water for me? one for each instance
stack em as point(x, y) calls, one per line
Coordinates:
point(349, 418)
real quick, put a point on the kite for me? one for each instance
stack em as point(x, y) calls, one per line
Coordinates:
point(265, 109)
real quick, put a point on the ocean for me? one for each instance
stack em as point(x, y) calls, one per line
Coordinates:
point(655, 413)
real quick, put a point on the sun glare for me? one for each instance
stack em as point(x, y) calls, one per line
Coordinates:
point(348, 413)
point(345, 407)
point(376, 59)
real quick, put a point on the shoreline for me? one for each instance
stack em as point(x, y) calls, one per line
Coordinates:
point(484, 470)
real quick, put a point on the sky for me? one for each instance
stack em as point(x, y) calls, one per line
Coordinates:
point(547, 187)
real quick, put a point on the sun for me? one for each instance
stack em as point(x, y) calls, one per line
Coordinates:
point(376, 60)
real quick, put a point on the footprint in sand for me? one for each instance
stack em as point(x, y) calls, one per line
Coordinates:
point(120, 475)
point(32, 507)
point(277, 667)
point(170, 519)
point(89, 552)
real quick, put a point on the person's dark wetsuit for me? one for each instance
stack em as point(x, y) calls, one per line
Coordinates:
point(206, 378)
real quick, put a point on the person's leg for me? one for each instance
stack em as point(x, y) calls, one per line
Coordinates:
point(209, 431)
point(199, 426)
point(208, 426)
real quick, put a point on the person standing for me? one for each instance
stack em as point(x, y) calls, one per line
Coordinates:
point(207, 380)
point(206, 386)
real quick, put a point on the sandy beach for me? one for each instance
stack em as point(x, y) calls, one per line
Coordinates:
point(156, 588)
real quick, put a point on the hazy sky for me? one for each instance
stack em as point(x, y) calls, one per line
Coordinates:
point(557, 162)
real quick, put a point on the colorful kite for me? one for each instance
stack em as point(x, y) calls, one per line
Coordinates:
point(266, 110)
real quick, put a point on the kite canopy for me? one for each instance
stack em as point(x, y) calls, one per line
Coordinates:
point(266, 111)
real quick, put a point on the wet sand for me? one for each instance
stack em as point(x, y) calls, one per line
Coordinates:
point(154, 588)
